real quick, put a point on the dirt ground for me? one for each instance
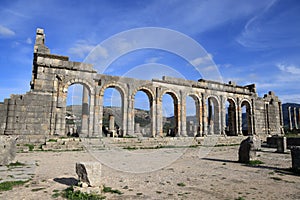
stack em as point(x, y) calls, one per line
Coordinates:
point(216, 176)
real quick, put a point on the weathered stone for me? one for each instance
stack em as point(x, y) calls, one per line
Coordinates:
point(7, 149)
point(246, 151)
point(281, 144)
point(89, 173)
point(42, 110)
point(256, 142)
point(295, 153)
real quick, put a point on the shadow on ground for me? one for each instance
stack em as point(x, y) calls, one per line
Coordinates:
point(66, 181)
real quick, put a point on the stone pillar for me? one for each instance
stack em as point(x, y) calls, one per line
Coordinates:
point(85, 111)
point(281, 144)
point(153, 117)
point(290, 119)
point(137, 128)
point(223, 116)
point(100, 115)
point(91, 117)
point(130, 117)
point(295, 118)
point(209, 118)
point(199, 117)
point(159, 117)
point(295, 153)
point(111, 123)
point(239, 117)
point(204, 117)
point(183, 114)
point(96, 125)
point(190, 127)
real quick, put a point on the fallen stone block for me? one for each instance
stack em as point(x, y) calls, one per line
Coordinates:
point(89, 173)
point(295, 153)
point(7, 149)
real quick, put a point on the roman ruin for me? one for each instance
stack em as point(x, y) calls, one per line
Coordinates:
point(42, 110)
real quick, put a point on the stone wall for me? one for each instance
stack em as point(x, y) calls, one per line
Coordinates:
point(42, 110)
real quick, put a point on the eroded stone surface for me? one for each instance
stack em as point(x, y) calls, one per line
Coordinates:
point(246, 150)
point(89, 173)
point(7, 149)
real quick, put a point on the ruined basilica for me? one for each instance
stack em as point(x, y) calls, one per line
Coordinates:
point(42, 110)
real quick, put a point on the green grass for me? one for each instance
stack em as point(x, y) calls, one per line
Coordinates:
point(8, 185)
point(70, 194)
point(52, 140)
point(181, 184)
point(110, 190)
point(255, 162)
point(16, 164)
point(30, 146)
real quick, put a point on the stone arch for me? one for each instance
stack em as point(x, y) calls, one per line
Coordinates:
point(213, 114)
point(177, 107)
point(151, 97)
point(197, 126)
point(122, 131)
point(246, 120)
point(231, 117)
point(87, 107)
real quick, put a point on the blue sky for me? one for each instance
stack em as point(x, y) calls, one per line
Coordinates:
point(254, 41)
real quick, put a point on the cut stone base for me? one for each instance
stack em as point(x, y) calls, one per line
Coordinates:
point(89, 173)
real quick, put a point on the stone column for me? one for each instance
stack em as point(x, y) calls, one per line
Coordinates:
point(295, 118)
point(130, 117)
point(159, 117)
point(100, 115)
point(153, 117)
point(85, 111)
point(290, 119)
point(199, 118)
point(209, 118)
point(239, 117)
point(96, 124)
point(91, 116)
point(223, 116)
point(137, 128)
point(204, 117)
point(183, 114)
point(111, 127)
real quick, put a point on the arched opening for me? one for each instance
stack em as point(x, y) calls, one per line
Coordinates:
point(246, 118)
point(142, 113)
point(231, 126)
point(77, 110)
point(112, 118)
point(170, 114)
point(192, 116)
point(213, 116)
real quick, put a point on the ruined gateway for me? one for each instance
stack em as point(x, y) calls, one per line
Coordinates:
point(42, 110)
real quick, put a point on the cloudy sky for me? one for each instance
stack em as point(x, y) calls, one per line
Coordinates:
point(255, 41)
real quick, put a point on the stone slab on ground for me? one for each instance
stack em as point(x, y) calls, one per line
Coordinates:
point(89, 173)
point(7, 149)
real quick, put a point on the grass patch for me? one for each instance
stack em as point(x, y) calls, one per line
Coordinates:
point(255, 162)
point(52, 140)
point(110, 190)
point(30, 146)
point(240, 198)
point(8, 185)
point(37, 189)
point(70, 194)
point(16, 164)
point(181, 184)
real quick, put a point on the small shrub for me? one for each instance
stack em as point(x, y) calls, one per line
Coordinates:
point(16, 164)
point(110, 190)
point(181, 184)
point(30, 147)
point(255, 162)
point(52, 140)
point(70, 194)
point(8, 185)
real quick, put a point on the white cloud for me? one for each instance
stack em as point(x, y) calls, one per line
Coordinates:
point(201, 60)
point(289, 68)
point(6, 32)
point(28, 41)
point(81, 49)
